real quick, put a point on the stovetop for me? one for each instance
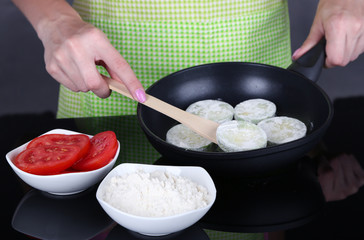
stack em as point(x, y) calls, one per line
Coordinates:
point(262, 204)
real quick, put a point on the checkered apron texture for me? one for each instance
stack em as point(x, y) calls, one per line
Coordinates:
point(159, 37)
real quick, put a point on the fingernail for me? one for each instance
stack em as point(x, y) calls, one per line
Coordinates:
point(295, 53)
point(140, 95)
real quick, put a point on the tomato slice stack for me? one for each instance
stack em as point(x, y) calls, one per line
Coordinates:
point(61, 153)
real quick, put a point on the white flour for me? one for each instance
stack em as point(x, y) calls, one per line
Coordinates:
point(155, 194)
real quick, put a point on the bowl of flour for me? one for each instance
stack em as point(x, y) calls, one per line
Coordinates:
point(156, 200)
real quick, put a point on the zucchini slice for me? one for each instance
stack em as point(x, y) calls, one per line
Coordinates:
point(214, 110)
point(283, 129)
point(255, 110)
point(236, 136)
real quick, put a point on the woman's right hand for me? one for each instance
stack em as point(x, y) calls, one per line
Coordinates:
point(73, 49)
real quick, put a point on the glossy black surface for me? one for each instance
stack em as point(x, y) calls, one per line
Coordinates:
point(265, 204)
point(291, 200)
point(194, 233)
point(46, 216)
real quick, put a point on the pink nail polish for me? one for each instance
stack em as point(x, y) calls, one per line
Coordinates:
point(295, 53)
point(140, 95)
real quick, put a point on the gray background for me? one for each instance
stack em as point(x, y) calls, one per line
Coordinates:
point(25, 86)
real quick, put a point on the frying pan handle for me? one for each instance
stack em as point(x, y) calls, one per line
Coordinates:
point(311, 63)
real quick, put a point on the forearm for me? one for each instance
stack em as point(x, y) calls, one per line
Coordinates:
point(42, 13)
point(73, 48)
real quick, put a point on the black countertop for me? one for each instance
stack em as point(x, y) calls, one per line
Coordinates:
point(291, 201)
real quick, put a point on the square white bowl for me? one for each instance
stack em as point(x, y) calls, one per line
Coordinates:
point(158, 226)
point(61, 184)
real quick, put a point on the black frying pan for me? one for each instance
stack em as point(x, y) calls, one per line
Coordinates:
point(293, 90)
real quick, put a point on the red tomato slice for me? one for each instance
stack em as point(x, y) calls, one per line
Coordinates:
point(49, 159)
point(80, 140)
point(103, 148)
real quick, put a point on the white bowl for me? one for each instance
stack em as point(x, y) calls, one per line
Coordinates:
point(158, 226)
point(61, 184)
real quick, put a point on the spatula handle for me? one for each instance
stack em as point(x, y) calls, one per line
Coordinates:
point(196, 123)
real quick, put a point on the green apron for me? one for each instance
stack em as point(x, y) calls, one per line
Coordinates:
point(158, 37)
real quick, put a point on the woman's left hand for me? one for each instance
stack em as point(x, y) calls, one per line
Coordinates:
point(342, 24)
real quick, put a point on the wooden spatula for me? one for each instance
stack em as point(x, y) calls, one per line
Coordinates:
point(203, 127)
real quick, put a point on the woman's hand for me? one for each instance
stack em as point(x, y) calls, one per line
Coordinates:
point(340, 177)
point(342, 24)
point(73, 48)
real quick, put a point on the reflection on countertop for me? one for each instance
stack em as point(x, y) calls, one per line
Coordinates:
point(334, 219)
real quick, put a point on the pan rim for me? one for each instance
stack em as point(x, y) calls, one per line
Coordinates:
point(250, 153)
